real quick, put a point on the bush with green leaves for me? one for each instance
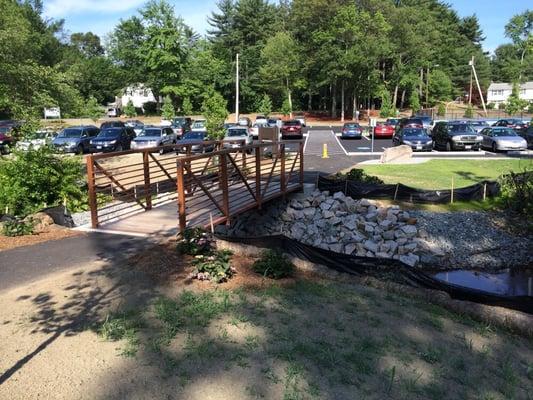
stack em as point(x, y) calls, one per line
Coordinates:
point(215, 266)
point(469, 112)
point(491, 106)
point(414, 101)
point(441, 110)
point(38, 178)
point(215, 111)
point(386, 109)
point(167, 110)
point(186, 106)
point(194, 242)
point(273, 264)
point(286, 108)
point(517, 192)
point(17, 227)
point(359, 175)
point(265, 105)
point(130, 110)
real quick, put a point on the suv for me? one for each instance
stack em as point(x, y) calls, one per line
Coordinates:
point(154, 136)
point(455, 136)
point(75, 139)
point(181, 125)
point(113, 139)
point(291, 130)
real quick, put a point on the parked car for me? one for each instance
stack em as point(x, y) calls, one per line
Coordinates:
point(113, 139)
point(41, 138)
point(477, 125)
point(7, 136)
point(300, 118)
point(502, 139)
point(392, 121)
point(112, 124)
point(528, 135)
point(240, 135)
point(409, 123)
point(181, 125)
point(455, 136)
point(244, 121)
point(261, 119)
point(427, 121)
point(135, 124)
point(254, 130)
point(154, 136)
point(417, 138)
point(383, 130)
point(514, 123)
point(199, 125)
point(291, 130)
point(351, 130)
point(113, 112)
point(196, 140)
point(75, 139)
point(275, 122)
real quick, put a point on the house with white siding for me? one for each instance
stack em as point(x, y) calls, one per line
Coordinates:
point(138, 94)
point(499, 92)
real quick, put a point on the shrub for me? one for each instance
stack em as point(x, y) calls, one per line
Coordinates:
point(186, 106)
point(215, 267)
point(286, 108)
point(441, 110)
point(167, 111)
point(273, 264)
point(214, 109)
point(265, 105)
point(517, 192)
point(530, 107)
point(359, 175)
point(17, 228)
point(469, 112)
point(37, 178)
point(130, 110)
point(491, 106)
point(194, 242)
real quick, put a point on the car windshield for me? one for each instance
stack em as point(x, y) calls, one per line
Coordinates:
point(391, 122)
point(351, 126)
point(503, 132)
point(461, 128)
point(237, 133)
point(111, 132)
point(292, 123)
point(70, 133)
point(198, 124)
point(194, 135)
point(151, 132)
point(414, 132)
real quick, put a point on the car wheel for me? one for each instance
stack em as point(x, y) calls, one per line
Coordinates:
point(119, 148)
point(494, 148)
point(448, 146)
point(79, 150)
point(161, 151)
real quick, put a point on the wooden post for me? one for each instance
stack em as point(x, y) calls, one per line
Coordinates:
point(484, 191)
point(180, 187)
point(244, 158)
point(396, 191)
point(91, 191)
point(282, 183)
point(211, 223)
point(224, 184)
point(302, 164)
point(451, 198)
point(147, 188)
point(258, 176)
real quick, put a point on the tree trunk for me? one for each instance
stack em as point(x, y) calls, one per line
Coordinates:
point(289, 97)
point(334, 101)
point(420, 90)
point(309, 101)
point(354, 107)
point(395, 97)
point(402, 101)
point(342, 101)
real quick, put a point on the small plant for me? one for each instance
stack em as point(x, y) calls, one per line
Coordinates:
point(130, 110)
point(18, 228)
point(167, 110)
point(469, 112)
point(273, 264)
point(194, 242)
point(491, 106)
point(121, 326)
point(517, 192)
point(215, 267)
point(359, 175)
point(441, 110)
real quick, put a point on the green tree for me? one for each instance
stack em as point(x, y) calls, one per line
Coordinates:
point(186, 106)
point(167, 110)
point(520, 30)
point(440, 86)
point(469, 112)
point(414, 101)
point(286, 108)
point(130, 110)
point(515, 104)
point(441, 110)
point(386, 109)
point(214, 109)
point(92, 109)
point(265, 105)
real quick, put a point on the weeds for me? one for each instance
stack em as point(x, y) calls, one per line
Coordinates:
point(273, 264)
point(123, 326)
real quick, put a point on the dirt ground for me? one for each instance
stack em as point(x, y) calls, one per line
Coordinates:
point(249, 338)
point(55, 233)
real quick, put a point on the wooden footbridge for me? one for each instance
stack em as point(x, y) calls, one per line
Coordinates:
point(168, 189)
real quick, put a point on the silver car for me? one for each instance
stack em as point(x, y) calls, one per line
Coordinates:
point(238, 136)
point(154, 136)
point(502, 139)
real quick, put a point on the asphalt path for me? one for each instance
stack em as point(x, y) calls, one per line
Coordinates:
point(27, 264)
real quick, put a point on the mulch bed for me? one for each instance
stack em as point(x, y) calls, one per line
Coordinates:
point(55, 233)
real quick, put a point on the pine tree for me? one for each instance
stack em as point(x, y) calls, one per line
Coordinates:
point(129, 110)
point(167, 111)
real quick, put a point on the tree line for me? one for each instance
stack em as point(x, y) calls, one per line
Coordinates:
point(334, 56)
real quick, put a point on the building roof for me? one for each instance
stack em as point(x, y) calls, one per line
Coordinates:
point(509, 86)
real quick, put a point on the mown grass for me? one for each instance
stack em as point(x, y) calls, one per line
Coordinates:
point(438, 174)
point(323, 340)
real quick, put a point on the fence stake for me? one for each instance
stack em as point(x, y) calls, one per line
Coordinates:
point(302, 164)
point(258, 176)
point(484, 191)
point(147, 188)
point(211, 222)
point(451, 198)
point(92, 191)
point(396, 191)
point(181, 196)
point(282, 183)
point(224, 183)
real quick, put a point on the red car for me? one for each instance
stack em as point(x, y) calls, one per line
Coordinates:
point(382, 130)
point(291, 130)
point(6, 140)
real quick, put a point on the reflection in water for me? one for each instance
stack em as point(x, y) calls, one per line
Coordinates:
point(507, 282)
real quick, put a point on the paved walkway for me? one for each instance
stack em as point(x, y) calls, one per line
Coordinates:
point(316, 140)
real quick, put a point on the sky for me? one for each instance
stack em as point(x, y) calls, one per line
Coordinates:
point(100, 16)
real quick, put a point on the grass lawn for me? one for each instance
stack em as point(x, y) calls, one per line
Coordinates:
point(309, 339)
point(438, 174)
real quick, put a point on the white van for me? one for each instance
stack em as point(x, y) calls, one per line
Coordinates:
point(113, 112)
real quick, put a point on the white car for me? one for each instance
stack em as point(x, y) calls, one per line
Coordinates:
point(300, 118)
point(261, 120)
point(40, 139)
point(199, 125)
point(240, 135)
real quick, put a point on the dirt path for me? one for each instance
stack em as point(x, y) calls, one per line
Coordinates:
point(299, 339)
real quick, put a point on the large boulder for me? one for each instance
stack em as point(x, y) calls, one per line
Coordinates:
point(396, 154)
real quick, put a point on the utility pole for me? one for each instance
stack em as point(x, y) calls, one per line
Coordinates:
point(470, 92)
point(237, 90)
point(479, 88)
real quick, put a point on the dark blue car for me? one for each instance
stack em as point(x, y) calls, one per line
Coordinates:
point(75, 139)
point(352, 130)
point(417, 138)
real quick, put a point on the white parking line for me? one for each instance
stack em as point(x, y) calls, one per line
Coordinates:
point(305, 143)
point(366, 138)
point(339, 142)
